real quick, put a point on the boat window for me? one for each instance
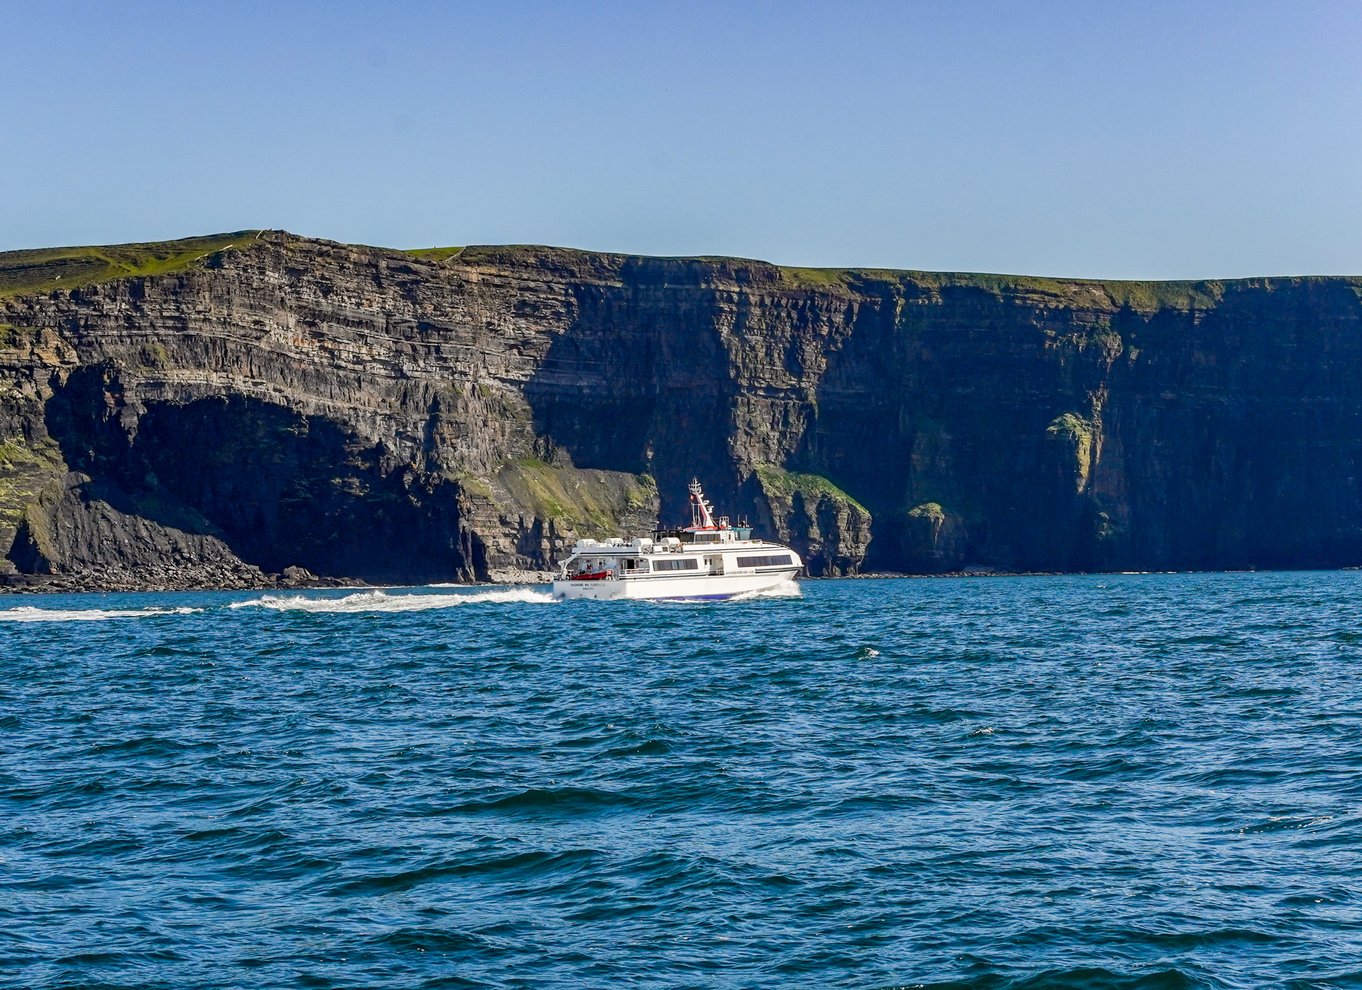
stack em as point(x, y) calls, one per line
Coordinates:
point(681, 564)
point(767, 560)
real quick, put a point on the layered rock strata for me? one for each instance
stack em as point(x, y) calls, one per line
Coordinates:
point(240, 405)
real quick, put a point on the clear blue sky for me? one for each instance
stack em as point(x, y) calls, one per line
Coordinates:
point(1138, 140)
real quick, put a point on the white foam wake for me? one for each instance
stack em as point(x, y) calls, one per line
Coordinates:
point(786, 589)
point(27, 613)
point(378, 601)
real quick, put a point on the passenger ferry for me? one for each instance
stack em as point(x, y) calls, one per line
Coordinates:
point(709, 559)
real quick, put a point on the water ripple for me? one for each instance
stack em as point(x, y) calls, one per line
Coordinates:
point(1113, 782)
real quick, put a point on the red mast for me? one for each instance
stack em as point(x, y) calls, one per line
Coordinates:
point(701, 512)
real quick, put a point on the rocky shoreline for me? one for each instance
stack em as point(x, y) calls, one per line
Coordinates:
point(292, 578)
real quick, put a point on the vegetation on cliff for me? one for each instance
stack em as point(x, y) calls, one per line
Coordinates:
point(778, 482)
point(49, 269)
point(245, 403)
point(581, 502)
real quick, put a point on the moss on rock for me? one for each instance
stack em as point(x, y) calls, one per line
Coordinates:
point(1077, 437)
point(829, 527)
point(934, 538)
point(929, 511)
point(25, 469)
point(585, 501)
point(778, 481)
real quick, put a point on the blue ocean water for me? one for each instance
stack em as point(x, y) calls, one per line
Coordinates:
point(1099, 781)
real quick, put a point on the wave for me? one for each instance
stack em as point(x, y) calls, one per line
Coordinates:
point(786, 589)
point(547, 800)
point(378, 601)
point(27, 613)
point(1080, 978)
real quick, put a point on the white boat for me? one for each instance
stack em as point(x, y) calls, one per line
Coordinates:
point(709, 559)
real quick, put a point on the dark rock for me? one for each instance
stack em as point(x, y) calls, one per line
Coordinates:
point(294, 577)
point(89, 533)
point(934, 540)
point(363, 414)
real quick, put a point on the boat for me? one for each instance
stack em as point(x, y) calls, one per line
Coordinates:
point(707, 560)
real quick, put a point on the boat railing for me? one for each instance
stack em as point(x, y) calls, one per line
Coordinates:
point(605, 575)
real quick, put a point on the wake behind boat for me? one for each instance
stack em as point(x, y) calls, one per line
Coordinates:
point(709, 559)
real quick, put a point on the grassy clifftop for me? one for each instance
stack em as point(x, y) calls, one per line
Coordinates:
point(45, 269)
point(1144, 296)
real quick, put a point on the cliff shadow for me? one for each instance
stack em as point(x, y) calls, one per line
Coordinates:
point(938, 413)
point(638, 383)
point(279, 488)
point(1239, 431)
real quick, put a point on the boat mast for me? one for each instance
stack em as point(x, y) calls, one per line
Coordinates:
point(701, 512)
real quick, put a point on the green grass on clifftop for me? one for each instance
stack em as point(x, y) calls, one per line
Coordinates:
point(47, 269)
point(1143, 296)
point(435, 253)
point(1040, 290)
point(814, 278)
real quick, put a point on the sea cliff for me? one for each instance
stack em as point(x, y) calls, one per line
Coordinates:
point(230, 409)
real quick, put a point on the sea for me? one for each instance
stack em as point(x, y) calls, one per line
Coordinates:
point(1103, 781)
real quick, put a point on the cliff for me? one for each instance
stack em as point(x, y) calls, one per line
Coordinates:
point(214, 411)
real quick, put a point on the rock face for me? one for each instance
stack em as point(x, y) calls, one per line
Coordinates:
point(219, 411)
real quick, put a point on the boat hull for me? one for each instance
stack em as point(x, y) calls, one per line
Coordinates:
point(697, 588)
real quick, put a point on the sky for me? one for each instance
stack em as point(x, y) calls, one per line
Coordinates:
point(1092, 139)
